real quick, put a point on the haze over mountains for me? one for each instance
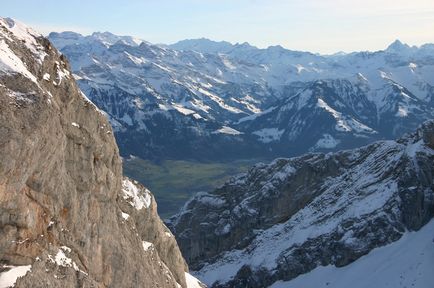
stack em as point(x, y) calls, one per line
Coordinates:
point(206, 100)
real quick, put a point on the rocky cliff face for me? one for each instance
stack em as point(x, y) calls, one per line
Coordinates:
point(284, 219)
point(67, 216)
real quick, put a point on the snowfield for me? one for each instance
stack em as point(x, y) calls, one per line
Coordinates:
point(405, 263)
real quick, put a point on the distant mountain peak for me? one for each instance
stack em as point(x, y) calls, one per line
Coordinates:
point(9, 21)
point(397, 46)
point(203, 45)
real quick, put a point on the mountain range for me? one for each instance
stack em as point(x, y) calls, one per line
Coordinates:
point(206, 100)
point(332, 218)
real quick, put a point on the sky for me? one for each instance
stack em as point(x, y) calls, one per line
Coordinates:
point(319, 26)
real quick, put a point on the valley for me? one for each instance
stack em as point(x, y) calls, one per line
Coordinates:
point(173, 182)
point(199, 107)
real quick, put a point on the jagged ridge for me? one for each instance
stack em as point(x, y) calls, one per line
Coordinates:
point(284, 219)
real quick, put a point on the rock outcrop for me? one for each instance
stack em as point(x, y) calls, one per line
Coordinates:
point(67, 216)
point(284, 219)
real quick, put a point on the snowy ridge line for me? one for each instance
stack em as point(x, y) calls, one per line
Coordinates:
point(355, 201)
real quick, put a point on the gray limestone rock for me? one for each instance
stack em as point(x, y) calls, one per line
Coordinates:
point(63, 200)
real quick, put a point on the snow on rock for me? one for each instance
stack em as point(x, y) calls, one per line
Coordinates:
point(344, 124)
point(25, 34)
point(147, 245)
point(367, 189)
point(267, 135)
point(134, 196)
point(60, 259)
point(304, 224)
point(183, 110)
point(327, 142)
point(402, 111)
point(125, 216)
point(10, 276)
point(20, 96)
point(256, 115)
point(210, 199)
point(62, 73)
point(91, 103)
point(10, 63)
point(227, 130)
point(192, 282)
point(407, 262)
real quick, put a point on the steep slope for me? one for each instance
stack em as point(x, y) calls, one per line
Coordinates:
point(215, 100)
point(67, 216)
point(284, 219)
point(337, 114)
point(400, 264)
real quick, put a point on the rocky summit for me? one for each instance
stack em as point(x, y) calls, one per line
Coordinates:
point(293, 216)
point(68, 218)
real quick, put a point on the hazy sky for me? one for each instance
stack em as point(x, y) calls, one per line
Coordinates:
point(324, 26)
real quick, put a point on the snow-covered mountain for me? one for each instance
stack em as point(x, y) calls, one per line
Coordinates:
point(316, 216)
point(206, 99)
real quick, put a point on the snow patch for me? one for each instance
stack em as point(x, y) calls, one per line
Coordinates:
point(183, 110)
point(227, 130)
point(26, 35)
point(147, 245)
point(132, 194)
point(8, 278)
point(125, 216)
point(267, 135)
point(407, 262)
point(9, 62)
point(327, 142)
point(344, 124)
point(192, 282)
point(64, 261)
